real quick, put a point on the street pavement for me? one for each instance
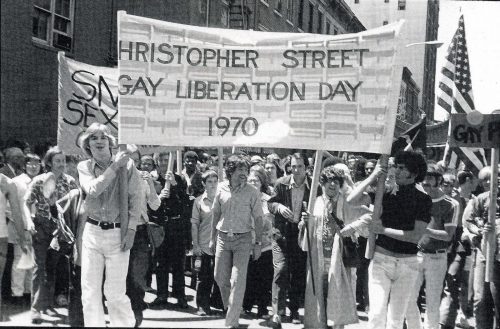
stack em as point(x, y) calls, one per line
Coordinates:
point(172, 317)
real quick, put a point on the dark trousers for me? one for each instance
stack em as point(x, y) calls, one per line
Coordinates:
point(495, 291)
point(44, 273)
point(205, 282)
point(137, 269)
point(63, 276)
point(453, 294)
point(75, 308)
point(289, 263)
point(259, 282)
point(7, 273)
point(171, 256)
point(486, 297)
point(362, 275)
point(3, 260)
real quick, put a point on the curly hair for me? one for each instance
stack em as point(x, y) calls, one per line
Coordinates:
point(47, 159)
point(414, 162)
point(331, 173)
point(235, 161)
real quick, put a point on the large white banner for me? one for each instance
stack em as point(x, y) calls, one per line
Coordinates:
point(187, 85)
point(87, 94)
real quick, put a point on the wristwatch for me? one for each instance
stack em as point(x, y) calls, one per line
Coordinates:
point(258, 243)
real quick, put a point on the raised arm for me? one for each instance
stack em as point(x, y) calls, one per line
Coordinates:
point(94, 186)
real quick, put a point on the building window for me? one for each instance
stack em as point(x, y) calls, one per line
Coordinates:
point(279, 6)
point(385, 23)
point(328, 27)
point(320, 23)
point(311, 18)
point(289, 10)
point(356, 1)
point(386, 1)
point(52, 22)
point(401, 4)
point(224, 16)
point(300, 18)
point(335, 31)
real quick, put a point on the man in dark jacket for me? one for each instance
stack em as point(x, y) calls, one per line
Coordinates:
point(288, 259)
point(174, 215)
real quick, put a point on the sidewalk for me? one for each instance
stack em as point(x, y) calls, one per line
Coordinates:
point(171, 318)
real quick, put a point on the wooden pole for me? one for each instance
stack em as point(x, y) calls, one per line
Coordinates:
point(310, 209)
point(179, 162)
point(170, 167)
point(315, 181)
point(220, 164)
point(377, 207)
point(490, 237)
point(123, 194)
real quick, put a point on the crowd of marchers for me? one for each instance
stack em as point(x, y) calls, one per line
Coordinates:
point(94, 234)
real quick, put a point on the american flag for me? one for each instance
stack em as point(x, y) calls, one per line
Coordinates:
point(455, 96)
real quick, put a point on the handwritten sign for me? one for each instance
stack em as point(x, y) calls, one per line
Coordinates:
point(87, 94)
point(475, 130)
point(207, 87)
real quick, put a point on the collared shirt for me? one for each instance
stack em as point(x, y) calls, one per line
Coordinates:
point(234, 207)
point(297, 198)
point(34, 195)
point(149, 199)
point(102, 189)
point(202, 217)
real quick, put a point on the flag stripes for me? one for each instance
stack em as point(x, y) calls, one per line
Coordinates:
point(455, 96)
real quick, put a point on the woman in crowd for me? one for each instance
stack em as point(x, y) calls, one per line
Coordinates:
point(21, 278)
point(329, 291)
point(260, 272)
point(201, 230)
point(40, 198)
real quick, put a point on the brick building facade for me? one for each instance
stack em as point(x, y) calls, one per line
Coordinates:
point(32, 32)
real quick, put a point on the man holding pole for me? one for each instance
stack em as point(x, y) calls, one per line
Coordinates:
point(288, 259)
point(174, 214)
point(486, 294)
point(108, 233)
point(395, 266)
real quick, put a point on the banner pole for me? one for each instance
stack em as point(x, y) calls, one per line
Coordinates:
point(123, 191)
point(179, 162)
point(220, 164)
point(377, 207)
point(490, 236)
point(310, 210)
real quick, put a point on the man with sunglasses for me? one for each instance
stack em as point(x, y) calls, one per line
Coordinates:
point(433, 248)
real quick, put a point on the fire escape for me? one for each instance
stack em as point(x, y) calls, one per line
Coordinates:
point(239, 14)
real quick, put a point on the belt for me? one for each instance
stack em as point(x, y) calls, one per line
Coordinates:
point(103, 225)
point(231, 234)
point(174, 217)
point(439, 251)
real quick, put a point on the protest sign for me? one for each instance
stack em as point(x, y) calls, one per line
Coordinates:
point(187, 85)
point(475, 130)
point(87, 94)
